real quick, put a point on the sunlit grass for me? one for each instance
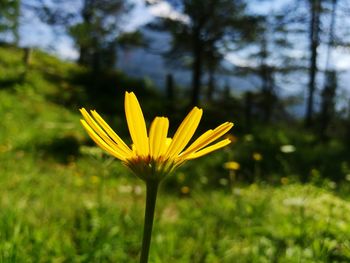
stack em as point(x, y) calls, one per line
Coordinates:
point(60, 213)
point(64, 201)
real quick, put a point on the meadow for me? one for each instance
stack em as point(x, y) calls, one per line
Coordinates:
point(63, 200)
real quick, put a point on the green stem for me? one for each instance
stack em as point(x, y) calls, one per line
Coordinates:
point(151, 198)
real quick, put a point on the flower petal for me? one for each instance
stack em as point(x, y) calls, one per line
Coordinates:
point(185, 132)
point(98, 140)
point(157, 136)
point(101, 133)
point(136, 124)
point(209, 149)
point(207, 138)
point(112, 134)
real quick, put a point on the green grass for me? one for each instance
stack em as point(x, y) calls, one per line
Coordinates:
point(62, 200)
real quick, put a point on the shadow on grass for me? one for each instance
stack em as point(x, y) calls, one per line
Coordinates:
point(10, 83)
point(62, 150)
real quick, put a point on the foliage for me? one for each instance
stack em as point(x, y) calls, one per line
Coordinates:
point(307, 160)
point(93, 25)
point(75, 213)
point(96, 36)
point(205, 33)
point(9, 17)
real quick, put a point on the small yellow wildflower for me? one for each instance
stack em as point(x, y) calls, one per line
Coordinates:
point(153, 154)
point(284, 180)
point(185, 190)
point(95, 179)
point(257, 156)
point(232, 166)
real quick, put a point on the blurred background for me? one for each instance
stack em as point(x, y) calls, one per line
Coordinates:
point(278, 69)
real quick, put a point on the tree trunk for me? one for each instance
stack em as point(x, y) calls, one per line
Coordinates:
point(327, 108)
point(86, 13)
point(170, 92)
point(211, 84)
point(96, 61)
point(266, 75)
point(330, 84)
point(248, 110)
point(196, 68)
point(315, 8)
point(82, 55)
point(27, 57)
point(15, 27)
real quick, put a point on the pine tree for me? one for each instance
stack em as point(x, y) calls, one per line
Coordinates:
point(204, 33)
point(270, 60)
point(9, 19)
point(96, 34)
point(308, 19)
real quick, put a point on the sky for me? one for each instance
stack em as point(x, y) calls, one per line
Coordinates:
point(35, 33)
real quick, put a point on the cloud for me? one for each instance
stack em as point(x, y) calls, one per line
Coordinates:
point(65, 49)
point(165, 10)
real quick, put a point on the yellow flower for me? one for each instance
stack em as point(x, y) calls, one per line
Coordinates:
point(153, 154)
point(284, 180)
point(95, 179)
point(232, 166)
point(257, 157)
point(185, 190)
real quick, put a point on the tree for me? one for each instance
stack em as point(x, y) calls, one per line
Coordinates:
point(212, 59)
point(269, 57)
point(309, 19)
point(315, 7)
point(205, 32)
point(331, 83)
point(328, 102)
point(302, 20)
point(97, 35)
point(95, 26)
point(9, 17)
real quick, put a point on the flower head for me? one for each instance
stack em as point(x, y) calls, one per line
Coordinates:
point(257, 156)
point(232, 166)
point(153, 154)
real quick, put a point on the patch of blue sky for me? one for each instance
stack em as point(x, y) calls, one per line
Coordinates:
point(35, 33)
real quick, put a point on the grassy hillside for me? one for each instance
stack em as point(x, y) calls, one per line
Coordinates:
point(63, 200)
